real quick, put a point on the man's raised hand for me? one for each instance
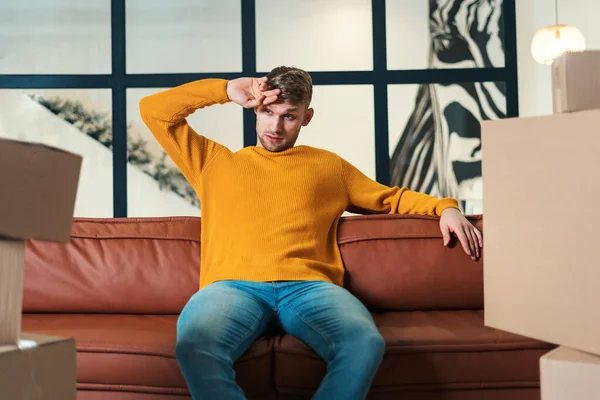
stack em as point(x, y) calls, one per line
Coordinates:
point(251, 92)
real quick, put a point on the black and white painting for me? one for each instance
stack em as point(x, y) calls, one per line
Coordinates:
point(439, 149)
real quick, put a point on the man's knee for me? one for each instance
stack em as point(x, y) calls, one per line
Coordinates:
point(183, 349)
point(367, 352)
point(193, 337)
point(376, 344)
point(364, 340)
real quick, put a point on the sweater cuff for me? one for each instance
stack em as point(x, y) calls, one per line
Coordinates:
point(445, 203)
point(218, 88)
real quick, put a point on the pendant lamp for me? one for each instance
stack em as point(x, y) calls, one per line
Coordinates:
point(552, 41)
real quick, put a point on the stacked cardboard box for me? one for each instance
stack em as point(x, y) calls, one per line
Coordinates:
point(576, 82)
point(541, 193)
point(566, 373)
point(40, 367)
point(38, 186)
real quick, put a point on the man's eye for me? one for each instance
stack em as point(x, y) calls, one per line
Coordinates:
point(289, 116)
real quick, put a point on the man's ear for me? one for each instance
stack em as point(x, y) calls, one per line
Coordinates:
point(308, 116)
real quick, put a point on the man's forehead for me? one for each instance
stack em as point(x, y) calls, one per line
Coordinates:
point(283, 107)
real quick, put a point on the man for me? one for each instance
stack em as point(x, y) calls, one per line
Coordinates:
point(269, 223)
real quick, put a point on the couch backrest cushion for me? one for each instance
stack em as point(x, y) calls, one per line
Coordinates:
point(151, 266)
point(129, 265)
point(398, 262)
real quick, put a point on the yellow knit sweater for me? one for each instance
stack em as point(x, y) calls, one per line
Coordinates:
point(268, 216)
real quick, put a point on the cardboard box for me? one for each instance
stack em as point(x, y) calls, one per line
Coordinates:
point(576, 81)
point(12, 255)
point(38, 186)
point(567, 374)
point(541, 186)
point(40, 367)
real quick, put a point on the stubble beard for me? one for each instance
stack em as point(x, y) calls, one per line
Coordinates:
point(274, 147)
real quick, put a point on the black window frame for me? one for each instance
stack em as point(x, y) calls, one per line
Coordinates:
point(380, 77)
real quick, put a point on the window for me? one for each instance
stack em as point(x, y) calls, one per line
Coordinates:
point(375, 63)
point(55, 37)
point(154, 184)
point(185, 36)
point(344, 127)
point(78, 121)
point(315, 35)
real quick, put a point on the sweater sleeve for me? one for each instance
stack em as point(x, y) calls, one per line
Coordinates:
point(165, 114)
point(368, 196)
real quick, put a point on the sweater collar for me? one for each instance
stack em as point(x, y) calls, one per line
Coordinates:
point(265, 152)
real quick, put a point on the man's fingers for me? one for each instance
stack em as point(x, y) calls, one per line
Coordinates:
point(464, 241)
point(270, 93)
point(477, 240)
point(254, 103)
point(269, 100)
point(270, 96)
point(479, 237)
point(472, 241)
point(262, 83)
point(467, 232)
point(446, 235)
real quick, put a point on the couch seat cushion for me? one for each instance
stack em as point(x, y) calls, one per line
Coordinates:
point(425, 351)
point(136, 352)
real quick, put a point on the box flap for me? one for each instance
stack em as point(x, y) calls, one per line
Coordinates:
point(569, 355)
point(30, 341)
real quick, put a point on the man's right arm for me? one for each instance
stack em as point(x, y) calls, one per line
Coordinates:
point(165, 114)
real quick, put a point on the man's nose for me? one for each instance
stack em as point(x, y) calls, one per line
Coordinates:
point(276, 124)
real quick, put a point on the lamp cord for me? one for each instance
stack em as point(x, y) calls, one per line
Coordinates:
point(556, 11)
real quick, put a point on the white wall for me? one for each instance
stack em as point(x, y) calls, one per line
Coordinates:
point(55, 37)
point(183, 36)
point(535, 95)
point(347, 131)
point(316, 35)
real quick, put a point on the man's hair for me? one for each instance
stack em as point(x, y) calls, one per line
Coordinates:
point(295, 84)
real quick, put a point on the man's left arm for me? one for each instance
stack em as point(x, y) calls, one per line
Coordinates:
point(368, 196)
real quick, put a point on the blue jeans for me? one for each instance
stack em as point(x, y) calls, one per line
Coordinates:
point(222, 320)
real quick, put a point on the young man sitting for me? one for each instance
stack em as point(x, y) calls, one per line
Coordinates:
point(269, 252)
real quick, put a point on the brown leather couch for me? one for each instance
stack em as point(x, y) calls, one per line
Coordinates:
point(118, 287)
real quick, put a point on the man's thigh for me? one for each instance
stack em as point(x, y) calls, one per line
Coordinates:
point(325, 316)
point(223, 318)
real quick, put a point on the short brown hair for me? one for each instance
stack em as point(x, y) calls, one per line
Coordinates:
point(295, 84)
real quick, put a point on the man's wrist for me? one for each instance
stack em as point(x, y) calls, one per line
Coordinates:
point(227, 89)
point(446, 203)
point(454, 209)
